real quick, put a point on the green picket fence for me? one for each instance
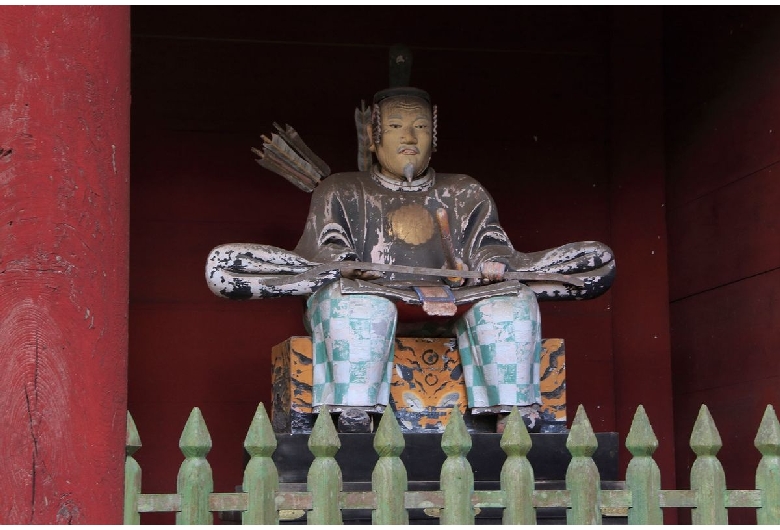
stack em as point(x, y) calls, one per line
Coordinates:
point(457, 501)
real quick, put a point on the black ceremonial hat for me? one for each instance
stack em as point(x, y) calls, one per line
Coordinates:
point(400, 74)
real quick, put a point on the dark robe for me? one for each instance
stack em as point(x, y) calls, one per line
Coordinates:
point(366, 217)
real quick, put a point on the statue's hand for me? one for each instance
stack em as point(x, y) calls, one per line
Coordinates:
point(492, 271)
point(456, 281)
point(359, 274)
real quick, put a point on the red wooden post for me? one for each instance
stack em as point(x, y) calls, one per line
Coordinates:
point(64, 189)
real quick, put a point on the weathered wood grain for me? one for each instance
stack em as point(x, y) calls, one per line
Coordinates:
point(64, 170)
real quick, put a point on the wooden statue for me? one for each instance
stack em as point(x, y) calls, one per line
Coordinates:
point(400, 233)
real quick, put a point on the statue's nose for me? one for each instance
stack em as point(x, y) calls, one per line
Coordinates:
point(409, 136)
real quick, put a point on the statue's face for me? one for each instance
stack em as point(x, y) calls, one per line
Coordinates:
point(407, 135)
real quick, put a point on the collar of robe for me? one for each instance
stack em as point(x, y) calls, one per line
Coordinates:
point(422, 183)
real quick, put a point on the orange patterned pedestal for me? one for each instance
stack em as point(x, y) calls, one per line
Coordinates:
point(427, 383)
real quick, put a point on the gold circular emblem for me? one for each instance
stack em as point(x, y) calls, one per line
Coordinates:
point(412, 224)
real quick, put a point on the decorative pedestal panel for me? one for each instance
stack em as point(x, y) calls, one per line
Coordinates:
point(427, 383)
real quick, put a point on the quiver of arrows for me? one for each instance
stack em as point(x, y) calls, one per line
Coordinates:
point(286, 154)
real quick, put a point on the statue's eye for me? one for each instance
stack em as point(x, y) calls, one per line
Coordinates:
point(395, 125)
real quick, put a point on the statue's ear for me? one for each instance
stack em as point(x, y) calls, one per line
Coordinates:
point(370, 133)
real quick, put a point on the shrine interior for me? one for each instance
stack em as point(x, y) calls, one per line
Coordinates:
point(651, 129)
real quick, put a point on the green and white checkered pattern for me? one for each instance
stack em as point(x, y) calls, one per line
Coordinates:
point(499, 340)
point(353, 347)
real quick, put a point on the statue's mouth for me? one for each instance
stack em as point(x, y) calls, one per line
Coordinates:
point(406, 150)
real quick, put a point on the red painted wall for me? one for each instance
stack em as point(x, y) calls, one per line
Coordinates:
point(723, 121)
point(524, 106)
point(640, 302)
point(64, 161)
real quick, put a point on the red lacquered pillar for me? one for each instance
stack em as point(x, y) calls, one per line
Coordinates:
point(64, 190)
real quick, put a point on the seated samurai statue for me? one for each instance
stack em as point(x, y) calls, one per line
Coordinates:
point(403, 235)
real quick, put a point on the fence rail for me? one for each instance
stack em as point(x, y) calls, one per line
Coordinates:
point(456, 501)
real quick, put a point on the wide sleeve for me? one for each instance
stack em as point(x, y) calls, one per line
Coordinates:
point(329, 235)
point(482, 237)
point(241, 271)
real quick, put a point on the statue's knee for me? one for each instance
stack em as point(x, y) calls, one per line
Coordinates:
point(526, 297)
point(349, 316)
point(330, 291)
point(525, 300)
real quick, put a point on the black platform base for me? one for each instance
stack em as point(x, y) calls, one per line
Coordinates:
point(423, 458)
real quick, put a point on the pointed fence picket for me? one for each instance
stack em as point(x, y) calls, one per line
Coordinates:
point(457, 502)
point(261, 479)
point(389, 477)
point(643, 478)
point(517, 475)
point(768, 472)
point(132, 474)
